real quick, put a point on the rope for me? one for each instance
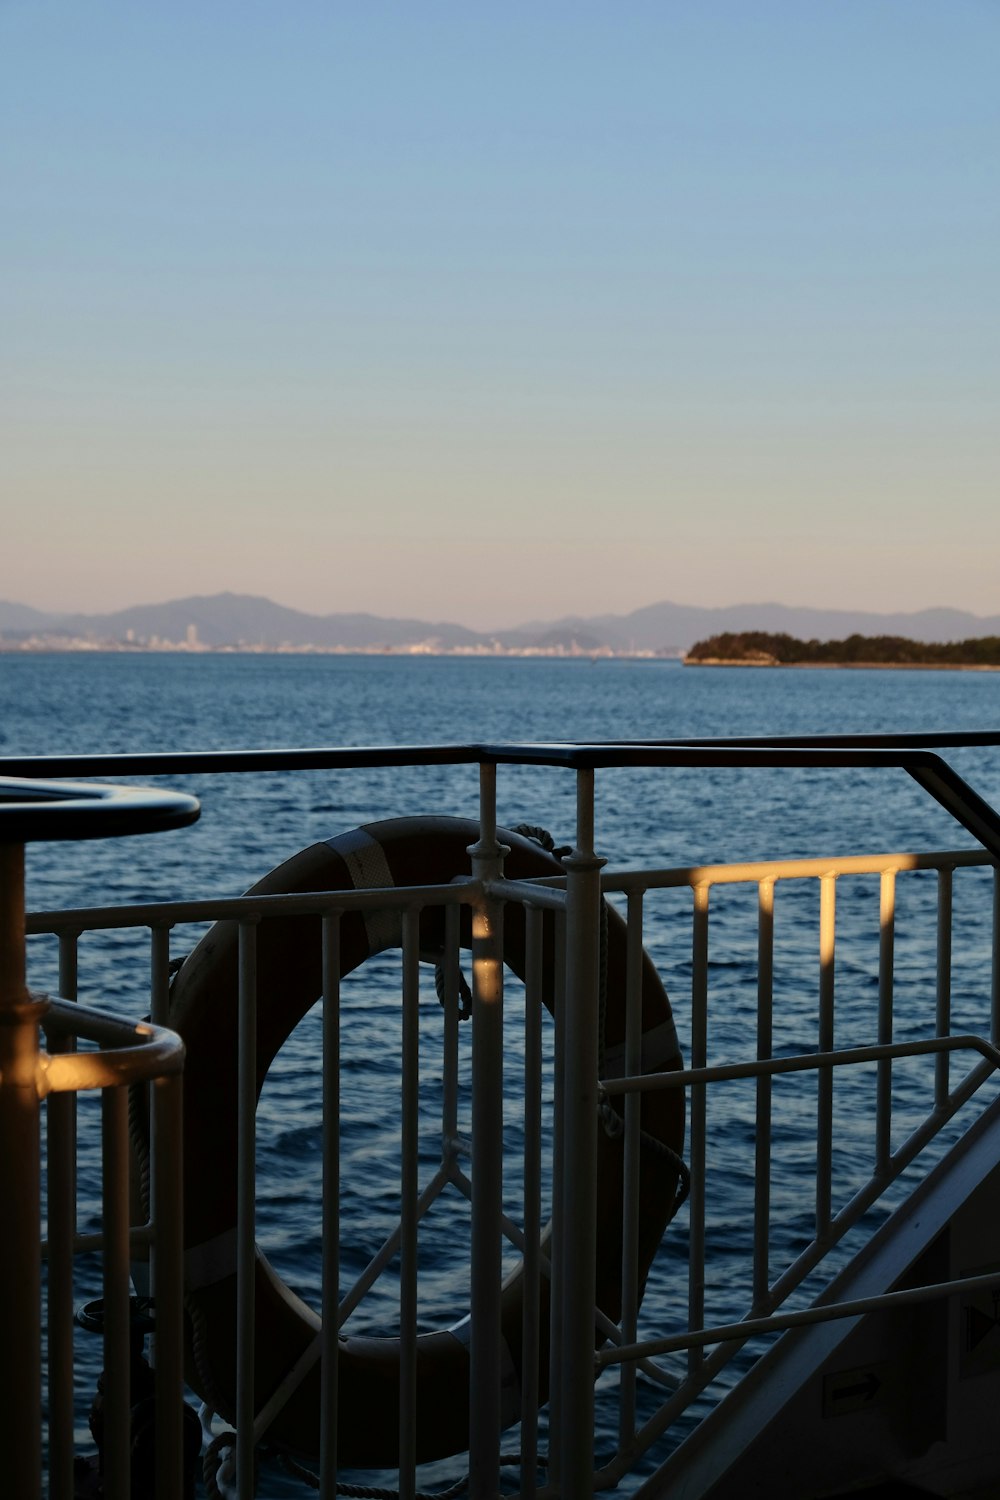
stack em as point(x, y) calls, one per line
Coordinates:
point(212, 1461)
point(611, 1120)
point(464, 993)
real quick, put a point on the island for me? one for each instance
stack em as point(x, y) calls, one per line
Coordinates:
point(758, 648)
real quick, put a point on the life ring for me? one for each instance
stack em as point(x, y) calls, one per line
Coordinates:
point(203, 1009)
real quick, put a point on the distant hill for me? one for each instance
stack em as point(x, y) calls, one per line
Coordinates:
point(655, 627)
point(21, 617)
point(671, 629)
point(756, 648)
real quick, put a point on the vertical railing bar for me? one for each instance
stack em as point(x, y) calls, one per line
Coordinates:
point(630, 1194)
point(159, 977)
point(824, 1079)
point(408, 1191)
point(20, 1194)
point(558, 1175)
point(114, 1169)
point(765, 1030)
point(449, 1059)
point(329, 1377)
point(995, 989)
point(168, 1266)
point(485, 1341)
point(883, 1102)
point(61, 1195)
point(945, 895)
point(246, 1170)
point(159, 992)
point(579, 1201)
point(531, 1269)
point(699, 1059)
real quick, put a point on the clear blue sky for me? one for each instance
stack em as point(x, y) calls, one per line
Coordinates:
point(501, 311)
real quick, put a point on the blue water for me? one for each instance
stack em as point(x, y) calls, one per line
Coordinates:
point(108, 703)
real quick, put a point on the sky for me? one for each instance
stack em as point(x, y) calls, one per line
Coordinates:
point(495, 312)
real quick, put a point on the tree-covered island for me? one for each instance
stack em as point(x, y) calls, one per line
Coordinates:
point(758, 648)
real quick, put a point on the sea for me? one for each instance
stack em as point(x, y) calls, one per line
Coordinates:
point(97, 702)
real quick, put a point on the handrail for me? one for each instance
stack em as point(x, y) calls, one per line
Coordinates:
point(904, 752)
point(32, 810)
point(131, 1052)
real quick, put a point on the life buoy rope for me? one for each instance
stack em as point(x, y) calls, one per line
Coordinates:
point(203, 1009)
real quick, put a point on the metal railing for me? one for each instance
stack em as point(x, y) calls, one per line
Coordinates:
point(30, 811)
point(566, 1166)
point(129, 1055)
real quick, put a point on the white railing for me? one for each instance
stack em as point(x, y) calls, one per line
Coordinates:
point(558, 1166)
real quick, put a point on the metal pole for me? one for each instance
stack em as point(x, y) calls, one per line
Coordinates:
point(61, 1175)
point(246, 1285)
point(409, 1188)
point(765, 1042)
point(20, 1152)
point(579, 1202)
point(487, 1155)
point(168, 1268)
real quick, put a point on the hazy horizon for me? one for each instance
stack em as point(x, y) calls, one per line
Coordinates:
point(501, 314)
point(540, 620)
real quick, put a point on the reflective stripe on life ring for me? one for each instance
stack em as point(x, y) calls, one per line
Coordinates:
point(204, 1001)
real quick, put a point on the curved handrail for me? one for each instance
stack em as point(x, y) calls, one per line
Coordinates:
point(131, 1051)
point(33, 810)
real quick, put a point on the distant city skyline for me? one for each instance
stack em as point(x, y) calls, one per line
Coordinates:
point(501, 314)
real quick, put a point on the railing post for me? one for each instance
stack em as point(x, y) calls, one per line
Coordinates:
point(485, 1349)
point(577, 1270)
point(20, 1151)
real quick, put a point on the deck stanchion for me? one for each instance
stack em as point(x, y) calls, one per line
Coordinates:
point(699, 1058)
point(945, 883)
point(995, 999)
point(558, 1175)
point(409, 1188)
point(579, 1197)
point(60, 1112)
point(631, 1176)
point(168, 1281)
point(20, 1273)
point(330, 1377)
point(533, 1007)
point(117, 1362)
point(824, 1079)
point(765, 1029)
point(887, 944)
point(485, 1346)
point(245, 1212)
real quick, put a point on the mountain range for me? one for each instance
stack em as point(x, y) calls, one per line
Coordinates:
point(235, 620)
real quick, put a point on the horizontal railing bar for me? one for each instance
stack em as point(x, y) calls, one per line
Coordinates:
point(800, 1063)
point(624, 881)
point(228, 762)
point(841, 749)
point(530, 892)
point(76, 920)
point(245, 908)
point(796, 869)
point(724, 1333)
point(945, 739)
point(929, 770)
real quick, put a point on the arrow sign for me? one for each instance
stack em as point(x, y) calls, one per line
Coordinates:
point(853, 1390)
